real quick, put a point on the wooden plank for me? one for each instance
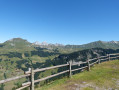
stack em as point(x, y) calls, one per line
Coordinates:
point(93, 59)
point(51, 76)
point(94, 63)
point(23, 87)
point(75, 64)
point(113, 57)
point(103, 56)
point(43, 69)
point(104, 59)
point(14, 78)
point(83, 62)
point(79, 68)
point(114, 54)
point(79, 63)
point(27, 83)
point(42, 79)
point(117, 56)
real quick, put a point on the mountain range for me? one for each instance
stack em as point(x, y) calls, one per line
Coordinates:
point(20, 43)
point(99, 44)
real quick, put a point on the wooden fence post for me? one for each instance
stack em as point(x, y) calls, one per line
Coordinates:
point(32, 79)
point(109, 56)
point(98, 60)
point(118, 57)
point(29, 79)
point(88, 65)
point(70, 72)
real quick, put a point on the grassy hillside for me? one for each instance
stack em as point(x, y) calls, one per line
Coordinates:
point(102, 76)
point(17, 55)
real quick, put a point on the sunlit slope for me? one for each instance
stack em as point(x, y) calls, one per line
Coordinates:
point(104, 76)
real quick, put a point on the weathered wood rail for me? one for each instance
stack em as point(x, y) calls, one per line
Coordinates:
point(31, 72)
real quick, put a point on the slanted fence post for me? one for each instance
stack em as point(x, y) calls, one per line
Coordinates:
point(32, 79)
point(88, 65)
point(70, 72)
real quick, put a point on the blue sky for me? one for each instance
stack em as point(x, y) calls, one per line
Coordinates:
point(60, 21)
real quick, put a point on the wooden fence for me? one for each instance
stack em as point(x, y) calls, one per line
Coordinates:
point(31, 72)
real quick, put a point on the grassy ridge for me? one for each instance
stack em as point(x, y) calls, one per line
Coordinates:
point(102, 76)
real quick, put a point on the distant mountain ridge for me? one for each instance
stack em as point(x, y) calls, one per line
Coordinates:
point(21, 43)
point(18, 43)
point(96, 44)
point(46, 44)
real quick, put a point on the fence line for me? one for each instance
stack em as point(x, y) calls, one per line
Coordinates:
point(30, 73)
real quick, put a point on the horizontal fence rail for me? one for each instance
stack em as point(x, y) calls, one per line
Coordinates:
point(14, 78)
point(48, 68)
point(30, 73)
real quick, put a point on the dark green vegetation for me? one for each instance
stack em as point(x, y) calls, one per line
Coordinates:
point(17, 55)
point(104, 76)
point(83, 55)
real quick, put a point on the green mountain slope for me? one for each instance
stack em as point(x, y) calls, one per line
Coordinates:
point(17, 44)
point(97, 44)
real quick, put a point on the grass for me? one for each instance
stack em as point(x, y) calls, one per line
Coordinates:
point(102, 76)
